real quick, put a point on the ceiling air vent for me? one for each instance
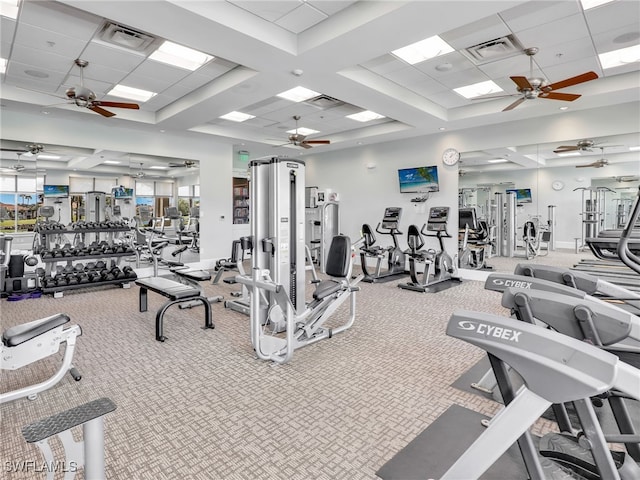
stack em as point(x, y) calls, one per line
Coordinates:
point(324, 102)
point(126, 37)
point(493, 50)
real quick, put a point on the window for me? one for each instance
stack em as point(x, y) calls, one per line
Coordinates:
point(18, 203)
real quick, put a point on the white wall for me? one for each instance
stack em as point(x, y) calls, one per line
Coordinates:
point(365, 192)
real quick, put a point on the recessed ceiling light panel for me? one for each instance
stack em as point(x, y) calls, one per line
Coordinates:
point(423, 50)
point(9, 8)
point(237, 116)
point(303, 131)
point(298, 94)
point(620, 57)
point(131, 93)
point(478, 89)
point(179, 56)
point(365, 116)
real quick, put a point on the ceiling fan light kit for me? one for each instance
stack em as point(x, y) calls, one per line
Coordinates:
point(299, 140)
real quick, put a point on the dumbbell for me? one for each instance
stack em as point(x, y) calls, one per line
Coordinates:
point(61, 280)
point(83, 277)
point(72, 280)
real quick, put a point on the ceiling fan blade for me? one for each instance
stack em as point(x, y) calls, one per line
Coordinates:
point(585, 77)
point(14, 150)
point(101, 111)
point(514, 104)
point(585, 166)
point(304, 145)
point(133, 106)
point(522, 83)
point(567, 148)
point(318, 142)
point(567, 97)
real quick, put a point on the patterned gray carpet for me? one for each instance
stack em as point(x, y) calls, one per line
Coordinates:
point(201, 406)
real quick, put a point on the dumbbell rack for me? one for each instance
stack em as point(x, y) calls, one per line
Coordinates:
point(59, 257)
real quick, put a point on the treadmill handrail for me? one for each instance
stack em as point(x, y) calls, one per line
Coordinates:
point(629, 259)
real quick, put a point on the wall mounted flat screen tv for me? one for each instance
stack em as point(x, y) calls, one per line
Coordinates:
point(523, 195)
point(419, 179)
point(122, 192)
point(55, 191)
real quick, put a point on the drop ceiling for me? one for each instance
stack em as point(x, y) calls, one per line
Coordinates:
point(339, 49)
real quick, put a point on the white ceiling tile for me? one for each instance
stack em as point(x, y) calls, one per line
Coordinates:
point(191, 83)
point(610, 17)
point(156, 103)
point(449, 99)
point(37, 61)
point(428, 87)
point(270, 104)
point(483, 30)
point(151, 84)
point(512, 66)
point(457, 61)
point(565, 52)
point(330, 7)
point(30, 83)
point(301, 18)
point(96, 72)
point(384, 64)
point(60, 18)
point(554, 32)
point(270, 11)
point(49, 42)
point(622, 37)
point(541, 12)
point(406, 76)
point(167, 73)
point(111, 57)
point(5, 49)
point(465, 77)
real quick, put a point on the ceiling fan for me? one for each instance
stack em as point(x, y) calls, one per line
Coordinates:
point(83, 97)
point(17, 167)
point(299, 140)
point(30, 149)
point(537, 87)
point(598, 163)
point(185, 164)
point(582, 146)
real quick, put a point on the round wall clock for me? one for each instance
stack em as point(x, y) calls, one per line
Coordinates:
point(557, 185)
point(450, 156)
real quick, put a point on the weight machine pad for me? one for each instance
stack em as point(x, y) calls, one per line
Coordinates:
point(433, 451)
point(21, 333)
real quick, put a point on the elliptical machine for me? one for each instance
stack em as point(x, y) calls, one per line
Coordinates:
point(394, 255)
point(439, 268)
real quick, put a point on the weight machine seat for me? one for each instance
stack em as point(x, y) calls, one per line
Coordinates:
point(337, 266)
point(196, 275)
point(14, 336)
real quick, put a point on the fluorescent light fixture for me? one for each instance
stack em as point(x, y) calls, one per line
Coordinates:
point(298, 94)
point(365, 116)
point(564, 108)
point(9, 8)
point(131, 93)
point(634, 149)
point(303, 131)
point(111, 162)
point(620, 57)
point(237, 116)
point(568, 154)
point(478, 89)
point(423, 50)
point(179, 56)
point(46, 156)
point(497, 160)
point(158, 167)
point(3, 65)
point(587, 4)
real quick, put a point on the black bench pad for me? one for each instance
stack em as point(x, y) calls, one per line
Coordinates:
point(62, 421)
point(169, 288)
point(21, 333)
point(197, 275)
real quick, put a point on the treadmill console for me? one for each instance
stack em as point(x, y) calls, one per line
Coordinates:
point(438, 217)
point(391, 218)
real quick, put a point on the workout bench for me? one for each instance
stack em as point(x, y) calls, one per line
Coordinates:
point(27, 343)
point(177, 293)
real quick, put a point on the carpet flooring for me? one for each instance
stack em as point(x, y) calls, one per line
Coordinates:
point(201, 406)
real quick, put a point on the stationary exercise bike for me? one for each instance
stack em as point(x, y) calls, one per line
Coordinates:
point(394, 255)
point(439, 268)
